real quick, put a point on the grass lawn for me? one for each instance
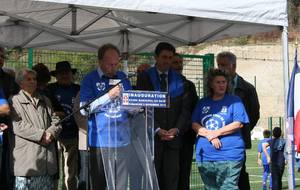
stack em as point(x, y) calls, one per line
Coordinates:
point(255, 172)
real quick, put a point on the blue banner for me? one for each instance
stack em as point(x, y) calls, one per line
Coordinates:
point(145, 98)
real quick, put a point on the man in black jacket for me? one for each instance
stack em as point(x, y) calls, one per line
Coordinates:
point(189, 136)
point(169, 123)
point(248, 95)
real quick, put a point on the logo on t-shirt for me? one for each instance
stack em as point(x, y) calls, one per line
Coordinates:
point(113, 109)
point(213, 121)
point(58, 97)
point(224, 109)
point(205, 109)
point(100, 86)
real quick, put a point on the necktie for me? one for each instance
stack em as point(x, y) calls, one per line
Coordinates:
point(163, 82)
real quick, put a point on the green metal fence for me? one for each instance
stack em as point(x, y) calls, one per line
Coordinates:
point(195, 67)
point(275, 122)
point(84, 62)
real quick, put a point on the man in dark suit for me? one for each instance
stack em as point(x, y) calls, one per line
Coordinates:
point(246, 91)
point(189, 136)
point(169, 123)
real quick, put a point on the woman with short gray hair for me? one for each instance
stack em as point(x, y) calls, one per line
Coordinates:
point(34, 132)
point(21, 74)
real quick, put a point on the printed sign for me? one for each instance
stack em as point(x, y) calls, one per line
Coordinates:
point(145, 98)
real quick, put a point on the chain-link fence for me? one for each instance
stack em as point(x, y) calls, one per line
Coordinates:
point(275, 122)
point(84, 62)
point(195, 66)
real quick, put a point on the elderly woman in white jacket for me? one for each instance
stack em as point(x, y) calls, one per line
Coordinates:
point(34, 129)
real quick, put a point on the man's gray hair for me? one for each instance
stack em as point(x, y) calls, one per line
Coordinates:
point(21, 74)
point(230, 56)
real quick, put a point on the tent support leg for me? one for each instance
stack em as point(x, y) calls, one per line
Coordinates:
point(289, 129)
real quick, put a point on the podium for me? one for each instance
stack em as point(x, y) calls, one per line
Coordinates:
point(127, 140)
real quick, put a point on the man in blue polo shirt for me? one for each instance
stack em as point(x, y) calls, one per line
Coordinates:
point(108, 124)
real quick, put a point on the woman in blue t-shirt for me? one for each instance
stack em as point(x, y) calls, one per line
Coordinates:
point(217, 120)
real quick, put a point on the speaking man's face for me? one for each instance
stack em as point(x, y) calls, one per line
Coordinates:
point(110, 62)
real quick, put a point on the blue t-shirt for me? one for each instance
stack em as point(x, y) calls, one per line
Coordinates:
point(2, 102)
point(104, 129)
point(65, 96)
point(214, 115)
point(260, 149)
point(2, 97)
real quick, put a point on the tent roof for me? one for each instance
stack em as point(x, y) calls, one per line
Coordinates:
point(132, 25)
point(269, 12)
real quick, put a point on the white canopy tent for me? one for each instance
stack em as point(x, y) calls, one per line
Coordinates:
point(133, 25)
point(136, 25)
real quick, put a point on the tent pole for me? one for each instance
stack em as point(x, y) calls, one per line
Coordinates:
point(289, 130)
point(74, 20)
point(125, 50)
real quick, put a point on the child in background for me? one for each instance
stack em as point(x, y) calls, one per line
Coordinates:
point(276, 157)
point(262, 160)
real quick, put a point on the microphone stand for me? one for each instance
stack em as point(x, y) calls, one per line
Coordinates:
point(86, 106)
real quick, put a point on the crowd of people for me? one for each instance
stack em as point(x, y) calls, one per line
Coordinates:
point(38, 130)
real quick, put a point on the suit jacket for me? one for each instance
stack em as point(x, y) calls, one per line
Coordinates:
point(248, 95)
point(190, 135)
point(176, 116)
